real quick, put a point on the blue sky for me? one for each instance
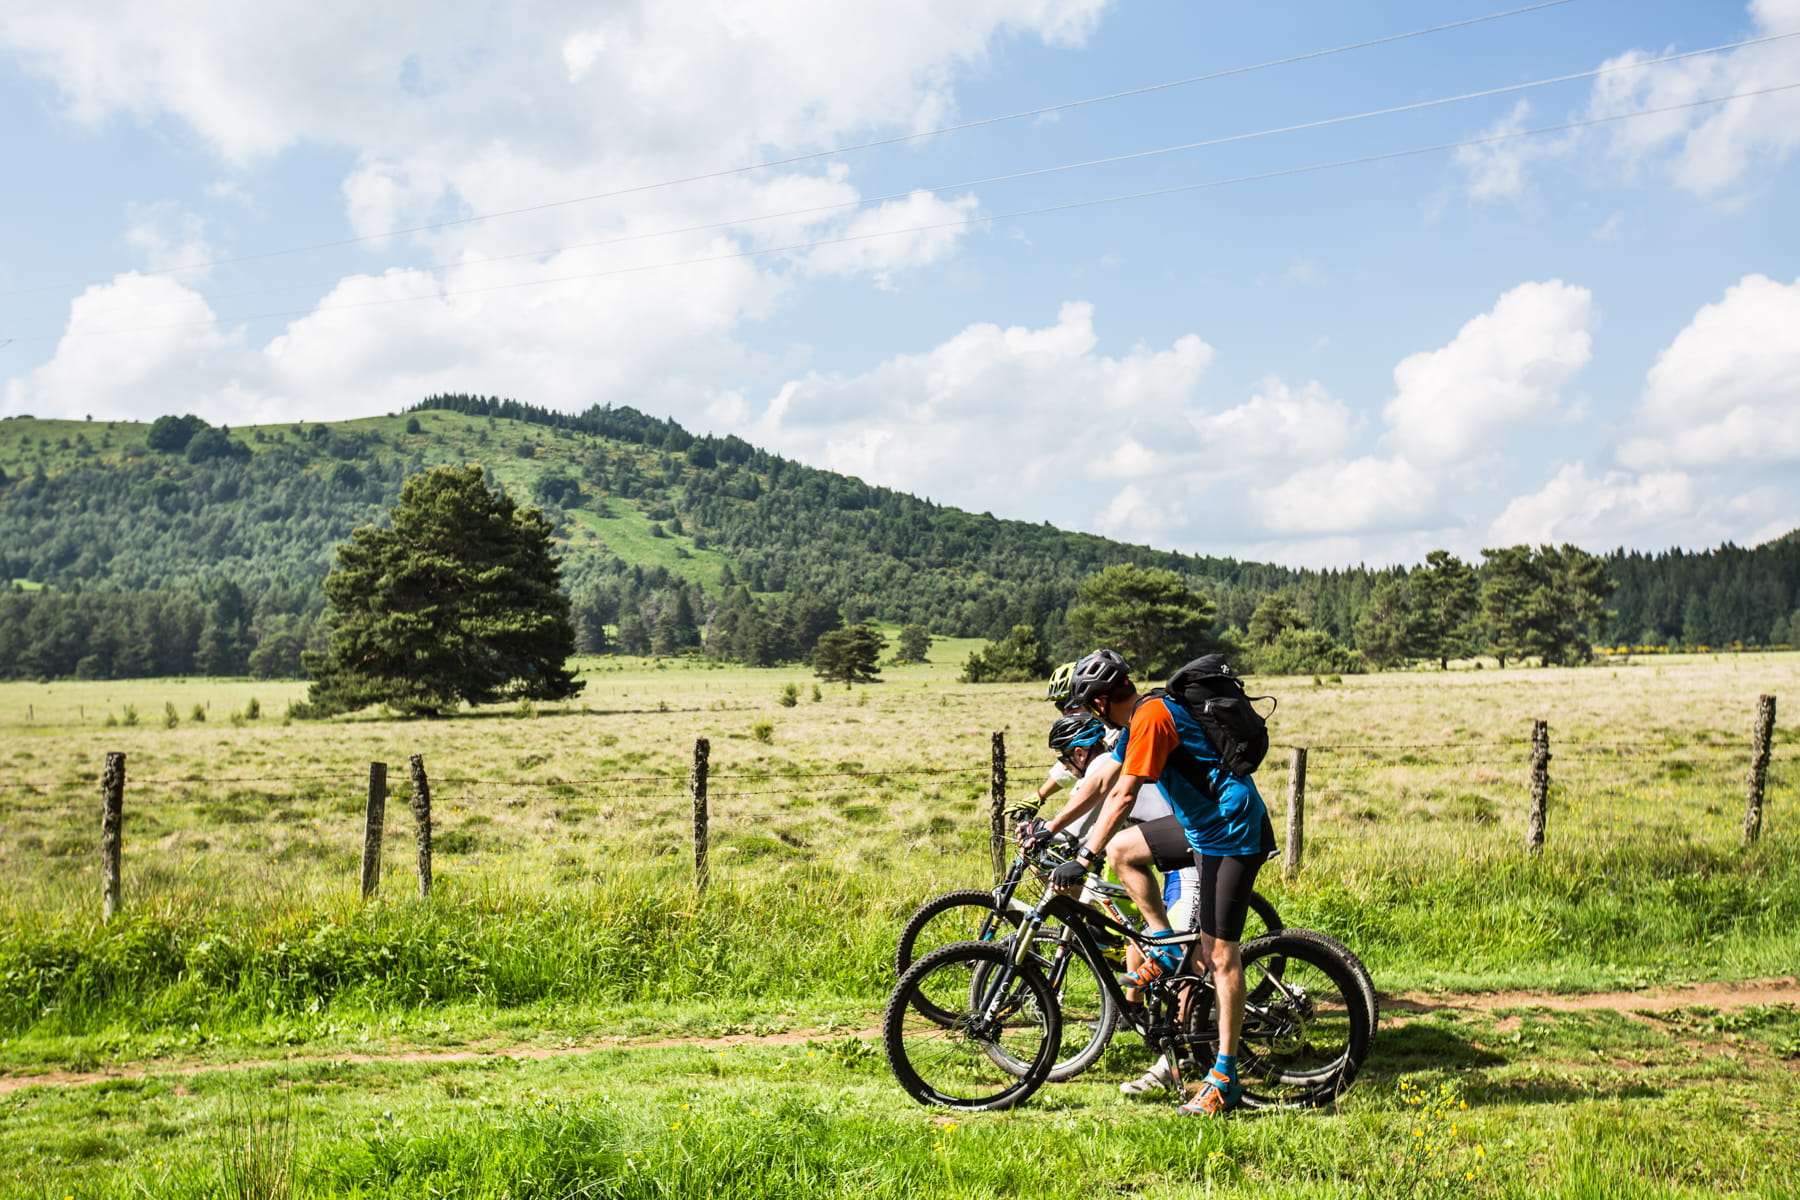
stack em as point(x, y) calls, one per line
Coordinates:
point(1587, 335)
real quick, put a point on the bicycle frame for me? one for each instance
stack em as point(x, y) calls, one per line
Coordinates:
point(1081, 920)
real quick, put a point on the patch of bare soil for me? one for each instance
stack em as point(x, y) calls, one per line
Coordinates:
point(1401, 1006)
point(1699, 995)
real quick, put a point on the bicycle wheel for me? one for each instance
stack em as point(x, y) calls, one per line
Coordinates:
point(1354, 963)
point(1089, 1013)
point(967, 915)
point(1305, 1040)
point(1263, 919)
point(1009, 1017)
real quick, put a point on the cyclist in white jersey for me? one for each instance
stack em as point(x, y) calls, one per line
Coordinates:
point(1156, 840)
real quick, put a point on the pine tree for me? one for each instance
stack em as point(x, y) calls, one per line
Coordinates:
point(849, 655)
point(457, 602)
point(1016, 658)
point(1147, 615)
point(1390, 630)
point(914, 644)
point(1445, 591)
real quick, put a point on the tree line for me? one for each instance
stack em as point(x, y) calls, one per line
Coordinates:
point(114, 521)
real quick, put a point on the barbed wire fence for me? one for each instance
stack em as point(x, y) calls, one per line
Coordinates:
point(658, 793)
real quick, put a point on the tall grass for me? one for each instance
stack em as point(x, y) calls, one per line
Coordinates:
point(563, 843)
point(820, 936)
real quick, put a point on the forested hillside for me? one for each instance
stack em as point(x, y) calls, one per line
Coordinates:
point(174, 547)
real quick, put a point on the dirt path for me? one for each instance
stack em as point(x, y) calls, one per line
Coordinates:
point(1397, 1007)
point(1704, 995)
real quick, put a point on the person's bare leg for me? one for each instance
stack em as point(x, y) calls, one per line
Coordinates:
point(1228, 985)
point(1131, 860)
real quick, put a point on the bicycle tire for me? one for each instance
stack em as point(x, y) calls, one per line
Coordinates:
point(1304, 1045)
point(1263, 920)
point(1262, 912)
point(1355, 964)
point(943, 910)
point(1090, 1015)
point(954, 1065)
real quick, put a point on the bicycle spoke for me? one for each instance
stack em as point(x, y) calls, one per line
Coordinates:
point(966, 1029)
point(1307, 1027)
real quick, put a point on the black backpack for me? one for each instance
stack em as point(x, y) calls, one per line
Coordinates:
point(1214, 696)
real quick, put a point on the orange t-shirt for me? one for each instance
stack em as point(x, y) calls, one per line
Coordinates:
point(1152, 739)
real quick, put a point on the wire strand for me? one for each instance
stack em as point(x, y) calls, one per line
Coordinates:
point(1043, 210)
point(1010, 177)
point(897, 139)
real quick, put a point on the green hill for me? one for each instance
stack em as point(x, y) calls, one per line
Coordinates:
point(173, 547)
point(151, 542)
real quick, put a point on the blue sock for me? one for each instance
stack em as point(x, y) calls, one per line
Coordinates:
point(1226, 1065)
point(1169, 956)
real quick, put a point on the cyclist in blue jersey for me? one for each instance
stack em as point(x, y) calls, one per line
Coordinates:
point(1227, 828)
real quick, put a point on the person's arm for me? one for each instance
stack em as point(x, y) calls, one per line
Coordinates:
point(1119, 800)
point(1025, 810)
point(1089, 792)
point(1147, 744)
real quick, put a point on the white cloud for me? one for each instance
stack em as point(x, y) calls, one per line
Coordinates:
point(100, 371)
point(579, 51)
point(1709, 147)
point(1704, 149)
point(1027, 422)
point(1145, 514)
point(1614, 508)
point(1504, 371)
point(1280, 425)
point(1498, 169)
point(912, 232)
point(1726, 392)
point(167, 237)
point(1363, 495)
point(448, 111)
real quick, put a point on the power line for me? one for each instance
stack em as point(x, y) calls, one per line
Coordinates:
point(967, 221)
point(954, 224)
point(1109, 160)
point(847, 149)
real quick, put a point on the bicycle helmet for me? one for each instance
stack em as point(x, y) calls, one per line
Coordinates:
point(1095, 675)
point(1058, 691)
point(1074, 731)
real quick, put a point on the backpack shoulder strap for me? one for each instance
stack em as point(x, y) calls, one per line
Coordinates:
point(1182, 761)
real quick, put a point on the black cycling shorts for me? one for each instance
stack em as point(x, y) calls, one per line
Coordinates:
point(1168, 844)
point(1226, 881)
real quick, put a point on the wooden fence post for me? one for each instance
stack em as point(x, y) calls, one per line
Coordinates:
point(1540, 785)
point(421, 806)
point(997, 802)
point(374, 817)
point(697, 789)
point(112, 832)
point(1296, 810)
point(1759, 768)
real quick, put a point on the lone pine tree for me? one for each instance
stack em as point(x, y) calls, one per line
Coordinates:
point(457, 602)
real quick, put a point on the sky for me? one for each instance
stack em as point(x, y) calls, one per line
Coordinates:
point(1311, 283)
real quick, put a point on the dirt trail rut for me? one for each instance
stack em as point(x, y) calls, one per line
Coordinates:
point(1398, 1007)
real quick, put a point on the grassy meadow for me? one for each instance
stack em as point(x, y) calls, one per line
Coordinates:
point(563, 919)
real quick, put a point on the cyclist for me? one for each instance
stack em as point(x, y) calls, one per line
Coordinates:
point(1227, 828)
point(1061, 774)
point(1155, 842)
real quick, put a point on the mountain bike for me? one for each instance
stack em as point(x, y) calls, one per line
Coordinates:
point(978, 1025)
point(971, 914)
